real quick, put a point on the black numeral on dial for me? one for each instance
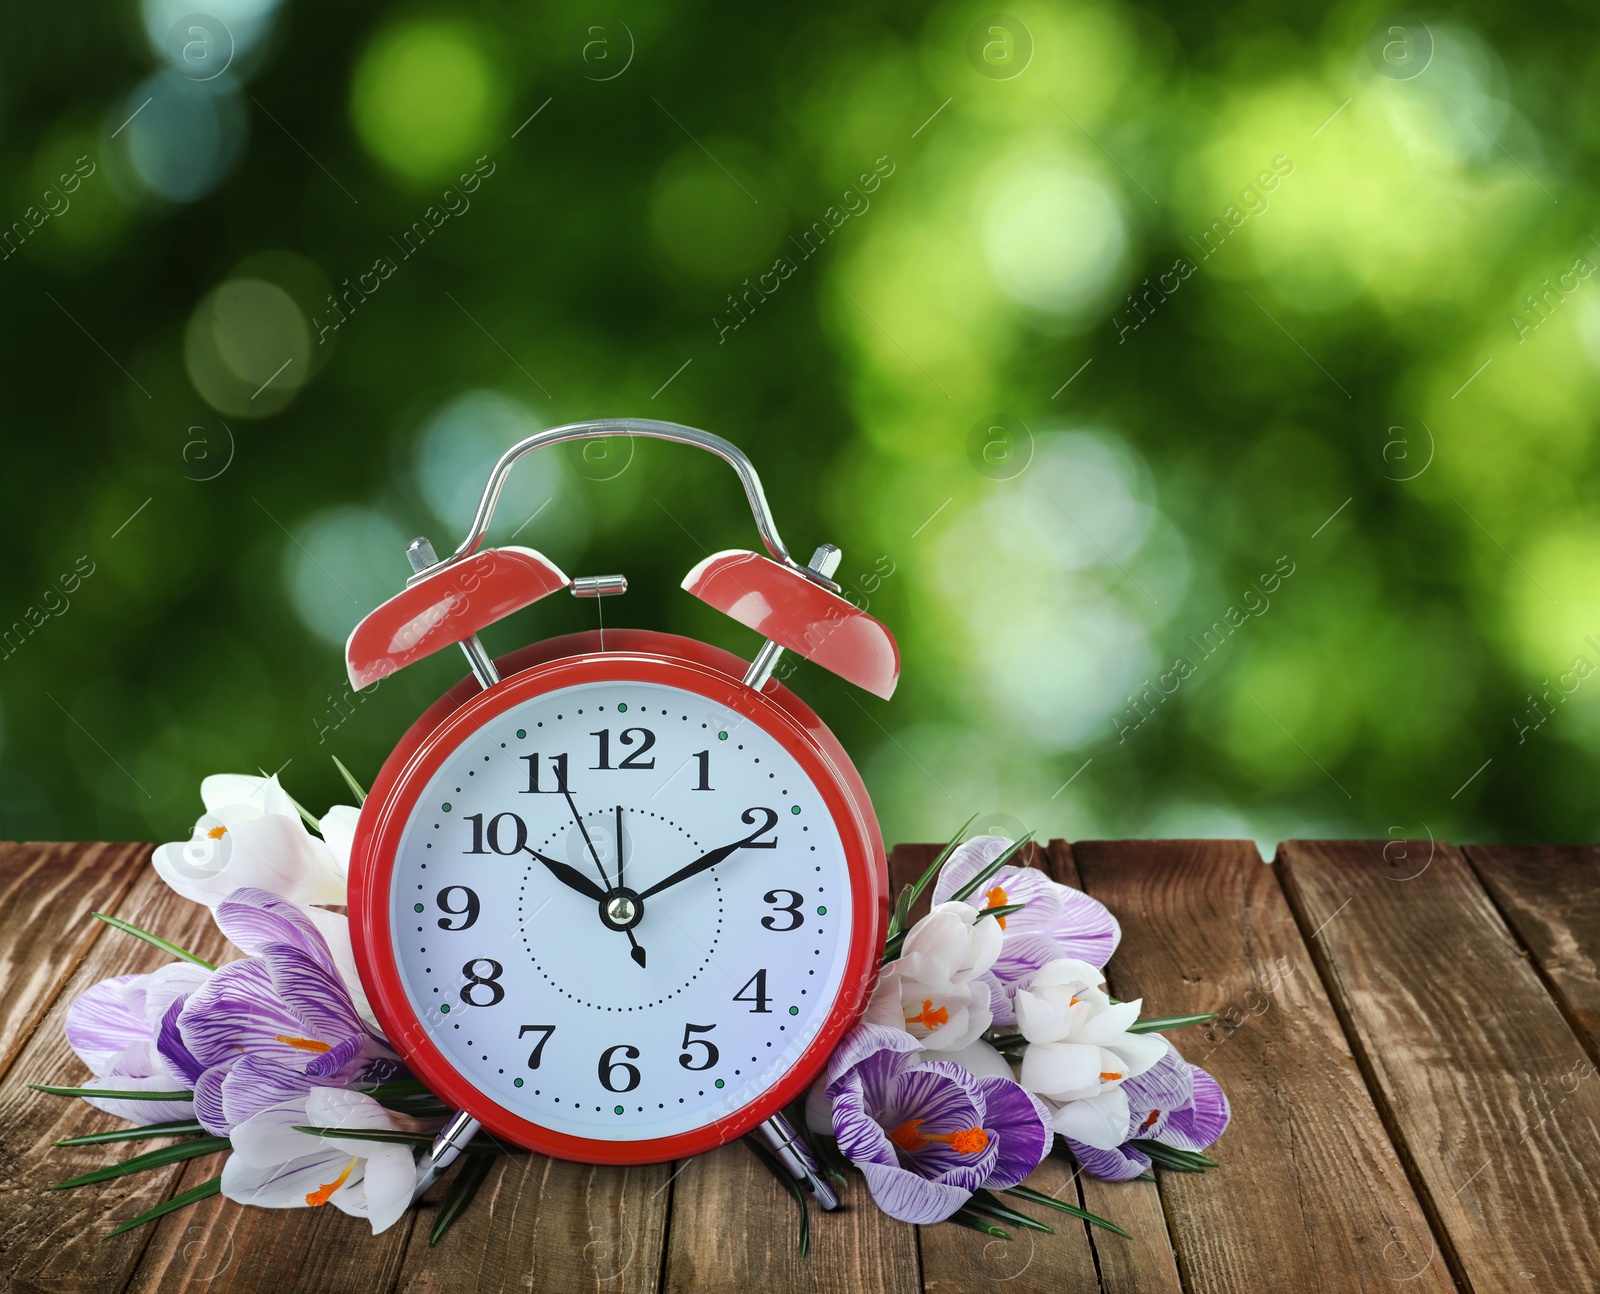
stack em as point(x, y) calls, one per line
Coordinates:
point(558, 766)
point(491, 981)
point(496, 834)
point(758, 981)
point(469, 908)
point(609, 1067)
point(687, 1058)
point(544, 1031)
point(642, 737)
point(704, 759)
point(790, 909)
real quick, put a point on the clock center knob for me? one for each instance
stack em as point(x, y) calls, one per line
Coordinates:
point(621, 909)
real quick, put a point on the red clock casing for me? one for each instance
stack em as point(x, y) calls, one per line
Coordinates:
point(629, 655)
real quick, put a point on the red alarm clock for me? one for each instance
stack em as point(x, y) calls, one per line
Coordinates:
point(617, 896)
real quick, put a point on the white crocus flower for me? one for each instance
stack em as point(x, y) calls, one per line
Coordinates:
point(275, 1167)
point(1080, 1051)
point(937, 990)
point(251, 836)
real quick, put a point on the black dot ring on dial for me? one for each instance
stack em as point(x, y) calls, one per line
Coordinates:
point(620, 910)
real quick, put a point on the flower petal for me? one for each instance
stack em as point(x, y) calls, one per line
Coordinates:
point(910, 1197)
point(388, 1183)
point(338, 828)
point(967, 859)
point(1205, 1121)
point(312, 991)
point(268, 1137)
point(1052, 1067)
point(1120, 1164)
point(281, 1185)
point(334, 927)
point(981, 1059)
point(248, 791)
point(255, 1084)
point(100, 1025)
point(1100, 1121)
point(1020, 1123)
point(254, 918)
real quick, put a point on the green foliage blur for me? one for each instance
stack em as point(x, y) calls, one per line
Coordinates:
point(1205, 398)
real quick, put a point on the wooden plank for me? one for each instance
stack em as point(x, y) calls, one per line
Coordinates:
point(1311, 1194)
point(47, 892)
point(1488, 1089)
point(1550, 895)
point(955, 1258)
point(545, 1224)
point(733, 1229)
point(1146, 1263)
point(58, 1240)
point(226, 1248)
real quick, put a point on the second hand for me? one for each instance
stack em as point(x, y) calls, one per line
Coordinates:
point(637, 953)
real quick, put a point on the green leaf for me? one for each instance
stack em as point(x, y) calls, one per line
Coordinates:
point(151, 1159)
point(350, 781)
point(469, 1177)
point(913, 892)
point(114, 1094)
point(193, 1196)
point(396, 1138)
point(180, 1128)
point(1161, 1023)
point(966, 1218)
point(1050, 1201)
point(128, 928)
point(396, 1087)
point(1165, 1156)
point(972, 886)
point(1004, 911)
point(985, 1203)
point(795, 1189)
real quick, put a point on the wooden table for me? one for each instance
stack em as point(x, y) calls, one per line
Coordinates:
point(1407, 1033)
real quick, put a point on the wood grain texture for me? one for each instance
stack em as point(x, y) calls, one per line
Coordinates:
point(46, 895)
point(955, 1258)
point(1145, 1264)
point(1550, 894)
point(545, 1224)
point(1485, 1084)
point(1311, 1195)
point(734, 1228)
point(57, 1240)
point(226, 1248)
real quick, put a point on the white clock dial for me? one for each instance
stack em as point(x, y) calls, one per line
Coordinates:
point(621, 911)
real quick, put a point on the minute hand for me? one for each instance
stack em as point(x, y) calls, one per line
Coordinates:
point(709, 860)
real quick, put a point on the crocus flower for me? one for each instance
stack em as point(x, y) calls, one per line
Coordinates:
point(1079, 1050)
point(926, 1134)
point(936, 989)
point(251, 836)
point(1058, 921)
point(114, 1028)
point(274, 1167)
point(1172, 1101)
point(274, 1025)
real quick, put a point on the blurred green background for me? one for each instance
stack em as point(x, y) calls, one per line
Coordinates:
point(1205, 399)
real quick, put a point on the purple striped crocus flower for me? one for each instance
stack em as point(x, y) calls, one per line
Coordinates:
point(926, 1134)
point(115, 1026)
point(271, 1027)
point(1173, 1102)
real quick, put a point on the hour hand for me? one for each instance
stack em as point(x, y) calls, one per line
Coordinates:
point(571, 877)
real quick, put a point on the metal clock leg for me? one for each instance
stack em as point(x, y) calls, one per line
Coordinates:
point(450, 1142)
point(825, 561)
point(778, 1135)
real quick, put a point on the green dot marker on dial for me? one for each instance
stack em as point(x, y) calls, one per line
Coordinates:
point(417, 907)
point(516, 1082)
point(522, 732)
point(447, 806)
point(821, 911)
point(618, 1110)
point(719, 1082)
point(793, 808)
point(445, 1007)
point(622, 707)
point(794, 1010)
point(722, 736)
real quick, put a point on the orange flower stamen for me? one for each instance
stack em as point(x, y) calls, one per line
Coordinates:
point(216, 833)
point(1109, 1078)
point(930, 1017)
point(964, 1141)
point(303, 1044)
point(997, 899)
point(324, 1193)
point(1154, 1115)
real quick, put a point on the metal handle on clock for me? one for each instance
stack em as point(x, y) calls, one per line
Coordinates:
point(645, 428)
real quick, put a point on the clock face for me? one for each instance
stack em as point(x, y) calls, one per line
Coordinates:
point(622, 911)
